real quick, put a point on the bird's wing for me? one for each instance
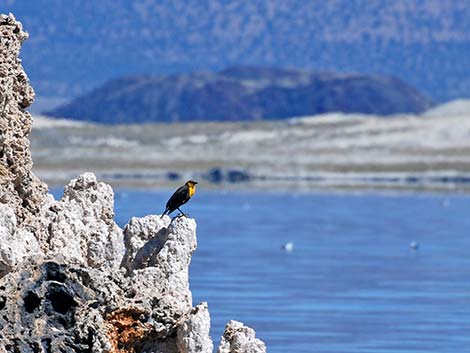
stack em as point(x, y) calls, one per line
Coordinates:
point(180, 197)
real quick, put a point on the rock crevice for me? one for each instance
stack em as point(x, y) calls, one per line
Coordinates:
point(71, 280)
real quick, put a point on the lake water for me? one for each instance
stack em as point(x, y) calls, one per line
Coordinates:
point(351, 284)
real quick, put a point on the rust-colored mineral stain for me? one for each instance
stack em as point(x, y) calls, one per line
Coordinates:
point(125, 329)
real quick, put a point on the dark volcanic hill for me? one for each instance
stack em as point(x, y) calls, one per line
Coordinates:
point(241, 93)
point(76, 44)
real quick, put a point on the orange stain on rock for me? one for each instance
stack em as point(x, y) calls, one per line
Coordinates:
point(125, 329)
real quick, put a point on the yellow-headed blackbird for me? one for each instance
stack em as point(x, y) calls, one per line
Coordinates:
point(180, 197)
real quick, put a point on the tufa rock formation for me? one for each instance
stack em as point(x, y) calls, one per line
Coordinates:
point(238, 338)
point(20, 189)
point(70, 279)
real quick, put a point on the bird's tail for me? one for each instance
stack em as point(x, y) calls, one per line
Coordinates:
point(164, 213)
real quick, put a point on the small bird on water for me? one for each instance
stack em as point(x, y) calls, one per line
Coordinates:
point(180, 197)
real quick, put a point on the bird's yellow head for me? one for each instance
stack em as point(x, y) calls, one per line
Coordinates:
point(191, 184)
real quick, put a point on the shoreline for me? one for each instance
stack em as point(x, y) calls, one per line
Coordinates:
point(332, 151)
point(370, 184)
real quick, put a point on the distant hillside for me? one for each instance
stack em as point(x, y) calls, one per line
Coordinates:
point(241, 93)
point(455, 107)
point(75, 44)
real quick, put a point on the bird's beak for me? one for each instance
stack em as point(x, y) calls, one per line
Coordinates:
point(195, 182)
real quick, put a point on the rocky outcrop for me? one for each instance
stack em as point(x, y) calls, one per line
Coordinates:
point(193, 331)
point(71, 280)
point(75, 306)
point(81, 225)
point(161, 262)
point(238, 338)
point(20, 189)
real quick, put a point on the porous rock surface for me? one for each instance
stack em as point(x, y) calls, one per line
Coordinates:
point(71, 280)
point(238, 338)
point(20, 188)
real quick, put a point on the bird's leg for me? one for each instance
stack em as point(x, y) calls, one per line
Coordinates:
point(182, 213)
point(179, 215)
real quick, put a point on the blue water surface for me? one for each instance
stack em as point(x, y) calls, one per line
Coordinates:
point(352, 282)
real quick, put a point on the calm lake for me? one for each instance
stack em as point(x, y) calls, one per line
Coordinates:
point(352, 282)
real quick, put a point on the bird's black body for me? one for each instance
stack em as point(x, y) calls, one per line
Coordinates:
point(180, 197)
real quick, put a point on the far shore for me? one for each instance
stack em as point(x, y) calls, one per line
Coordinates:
point(333, 151)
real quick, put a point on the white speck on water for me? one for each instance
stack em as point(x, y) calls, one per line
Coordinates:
point(288, 247)
point(414, 245)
